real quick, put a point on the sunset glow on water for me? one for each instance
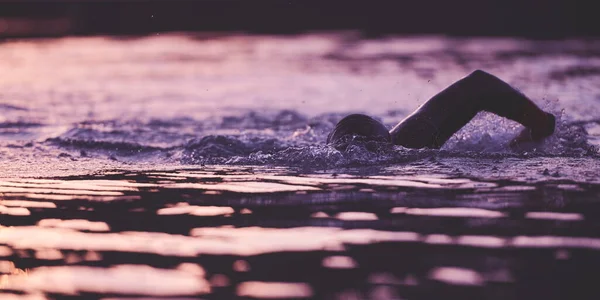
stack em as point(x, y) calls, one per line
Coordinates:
point(185, 166)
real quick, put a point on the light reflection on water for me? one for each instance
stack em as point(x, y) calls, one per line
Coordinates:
point(77, 224)
point(274, 290)
point(414, 238)
point(71, 280)
point(287, 217)
point(457, 276)
point(196, 210)
point(79, 104)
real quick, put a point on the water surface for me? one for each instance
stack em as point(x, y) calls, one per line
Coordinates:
point(185, 166)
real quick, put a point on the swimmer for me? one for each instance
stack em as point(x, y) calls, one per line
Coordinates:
point(433, 123)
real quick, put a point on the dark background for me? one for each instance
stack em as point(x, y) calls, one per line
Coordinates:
point(529, 18)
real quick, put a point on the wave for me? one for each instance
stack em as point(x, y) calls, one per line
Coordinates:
point(19, 125)
point(292, 139)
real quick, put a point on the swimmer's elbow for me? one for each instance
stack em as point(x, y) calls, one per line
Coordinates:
point(480, 74)
point(481, 79)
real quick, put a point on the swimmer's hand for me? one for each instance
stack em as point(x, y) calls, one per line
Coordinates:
point(530, 138)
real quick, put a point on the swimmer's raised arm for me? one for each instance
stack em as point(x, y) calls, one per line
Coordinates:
point(432, 124)
point(447, 112)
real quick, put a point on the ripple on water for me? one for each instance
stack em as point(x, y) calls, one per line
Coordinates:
point(450, 212)
point(274, 290)
point(554, 216)
point(456, 276)
point(196, 210)
point(22, 297)
point(76, 224)
point(122, 280)
point(262, 113)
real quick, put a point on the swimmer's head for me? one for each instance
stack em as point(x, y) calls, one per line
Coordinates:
point(359, 125)
point(545, 128)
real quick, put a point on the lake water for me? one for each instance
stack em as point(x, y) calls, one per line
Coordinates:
point(180, 166)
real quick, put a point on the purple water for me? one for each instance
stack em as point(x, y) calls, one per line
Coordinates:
point(171, 100)
point(195, 165)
